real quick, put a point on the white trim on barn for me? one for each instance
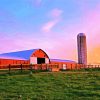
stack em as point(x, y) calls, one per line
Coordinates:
point(33, 60)
point(64, 67)
point(46, 60)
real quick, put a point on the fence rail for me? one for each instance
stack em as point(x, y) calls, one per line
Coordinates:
point(44, 67)
point(28, 67)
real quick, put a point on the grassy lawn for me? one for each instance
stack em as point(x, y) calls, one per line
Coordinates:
point(69, 85)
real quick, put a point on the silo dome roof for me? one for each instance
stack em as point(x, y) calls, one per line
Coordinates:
point(81, 34)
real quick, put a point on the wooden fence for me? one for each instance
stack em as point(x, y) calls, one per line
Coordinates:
point(44, 67)
point(89, 66)
point(21, 67)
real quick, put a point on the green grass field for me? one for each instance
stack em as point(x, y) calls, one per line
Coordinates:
point(68, 85)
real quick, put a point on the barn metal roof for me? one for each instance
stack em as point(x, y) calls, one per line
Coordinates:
point(60, 60)
point(19, 55)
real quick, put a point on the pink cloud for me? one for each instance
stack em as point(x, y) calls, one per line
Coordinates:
point(55, 13)
point(47, 27)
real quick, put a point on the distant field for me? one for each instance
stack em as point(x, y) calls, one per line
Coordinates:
point(68, 85)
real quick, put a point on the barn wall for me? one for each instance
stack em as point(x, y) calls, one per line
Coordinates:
point(66, 65)
point(11, 61)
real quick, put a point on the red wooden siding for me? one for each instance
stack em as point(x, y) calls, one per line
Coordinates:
point(69, 65)
point(12, 61)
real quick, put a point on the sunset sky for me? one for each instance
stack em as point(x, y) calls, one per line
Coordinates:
point(51, 25)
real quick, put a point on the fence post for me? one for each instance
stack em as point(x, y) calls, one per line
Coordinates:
point(88, 66)
point(33, 67)
point(21, 67)
point(92, 66)
point(76, 66)
point(41, 67)
point(71, 66)
point(30, 68)
point(83, 66)
point(98, 66)
point(95, 66)
point(9, 68)
point(46, 67)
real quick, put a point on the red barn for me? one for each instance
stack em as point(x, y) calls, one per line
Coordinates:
point(33, 56)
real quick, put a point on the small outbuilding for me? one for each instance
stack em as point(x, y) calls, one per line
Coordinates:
point(64, 64)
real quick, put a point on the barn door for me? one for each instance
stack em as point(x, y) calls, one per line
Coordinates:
point(46, 60)
point(40, 60)
point(33, 60)
point(64, 67)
